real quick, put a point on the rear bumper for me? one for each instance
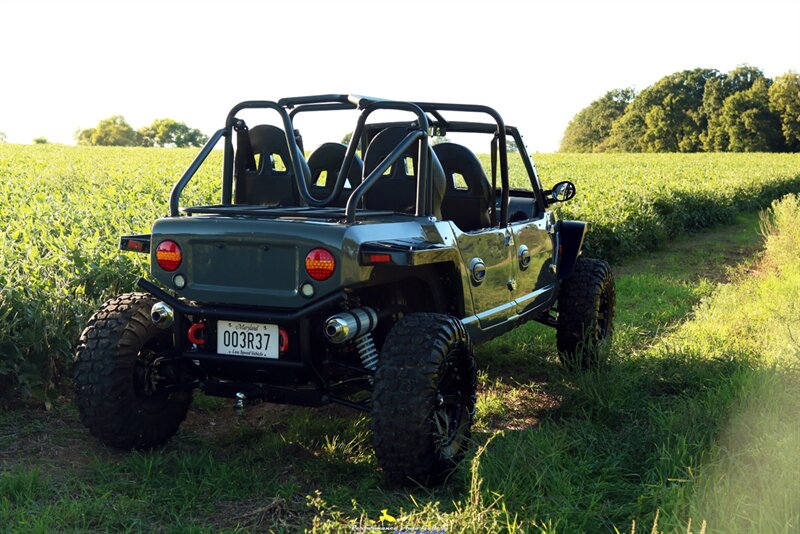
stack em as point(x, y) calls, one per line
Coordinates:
point(302, 363)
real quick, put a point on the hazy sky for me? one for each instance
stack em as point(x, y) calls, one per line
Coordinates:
point(66, 64)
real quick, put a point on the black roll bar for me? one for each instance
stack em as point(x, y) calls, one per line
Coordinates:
point(501, 134)
point(368, 105)
point(422, 171)
point(300, 176)
point(177, 189)
point(375, 175)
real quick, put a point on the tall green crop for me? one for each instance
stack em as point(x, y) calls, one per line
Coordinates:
point(62, 210)
point(635, 202)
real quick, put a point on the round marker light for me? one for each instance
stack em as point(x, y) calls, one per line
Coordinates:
point(307, 290)
point(179, 280)
point(169, 255)
point(320, 264)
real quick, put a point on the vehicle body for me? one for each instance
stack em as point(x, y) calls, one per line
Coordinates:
point(336, 279)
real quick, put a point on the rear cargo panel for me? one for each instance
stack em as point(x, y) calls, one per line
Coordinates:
point(247, 261)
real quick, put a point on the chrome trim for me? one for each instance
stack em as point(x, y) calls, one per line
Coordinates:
point(347, 325)
point(524, 257)
point(477, 271)
point(162, 315)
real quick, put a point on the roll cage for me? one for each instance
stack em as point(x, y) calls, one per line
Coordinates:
point(429, 120)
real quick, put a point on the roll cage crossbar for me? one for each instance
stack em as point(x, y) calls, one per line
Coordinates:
point(428, 118)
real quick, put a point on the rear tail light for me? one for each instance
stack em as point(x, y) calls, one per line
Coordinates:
point(169, 255)
point(320, 264)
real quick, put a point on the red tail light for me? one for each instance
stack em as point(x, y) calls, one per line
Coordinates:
point(169, 255)
point(320, 264)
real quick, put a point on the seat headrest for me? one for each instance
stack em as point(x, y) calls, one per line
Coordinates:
point(383, 143)
point(459, 159)
point(267, 140)
point(398, 190)
point(328, 157)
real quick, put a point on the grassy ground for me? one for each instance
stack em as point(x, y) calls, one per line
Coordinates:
point(677, 421)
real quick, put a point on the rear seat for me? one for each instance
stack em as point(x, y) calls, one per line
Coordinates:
point(272, 182)
point(328, 158)
point(467, 208)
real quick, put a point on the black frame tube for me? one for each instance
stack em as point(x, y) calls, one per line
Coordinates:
point(320, 107)
point(375, 175)
point(423, 174)
point(288, 127)
point(503, 149)
point(177, 189)
point(369, 105)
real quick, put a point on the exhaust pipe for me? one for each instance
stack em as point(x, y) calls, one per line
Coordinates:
point(162, 315)
point(350, 324)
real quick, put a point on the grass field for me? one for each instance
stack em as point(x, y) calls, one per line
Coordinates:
point(694, 417)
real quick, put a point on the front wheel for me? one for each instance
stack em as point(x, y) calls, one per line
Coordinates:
point(424, 398)
point(117, 377)
point(585, 313)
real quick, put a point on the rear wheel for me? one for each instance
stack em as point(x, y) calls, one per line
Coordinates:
point(118, 377)
point(424, 398)
point(585, 313)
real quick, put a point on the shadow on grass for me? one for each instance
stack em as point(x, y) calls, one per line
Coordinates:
point(635, 438)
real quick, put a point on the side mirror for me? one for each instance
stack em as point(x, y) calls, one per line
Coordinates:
point(561, 192)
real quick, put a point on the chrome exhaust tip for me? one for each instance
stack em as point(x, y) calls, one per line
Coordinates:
point(162, 315)
point(337, 330)
point(350, 324)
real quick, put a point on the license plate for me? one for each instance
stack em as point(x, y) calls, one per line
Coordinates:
point(247, 339)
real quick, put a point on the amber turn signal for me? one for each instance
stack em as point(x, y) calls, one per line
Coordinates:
point(169, 255)
point(320, 264)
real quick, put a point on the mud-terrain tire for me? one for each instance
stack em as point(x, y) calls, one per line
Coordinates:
point(423, 402)
point(109, 379)
point(585, 314)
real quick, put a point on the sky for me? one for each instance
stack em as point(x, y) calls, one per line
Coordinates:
point(66, 64)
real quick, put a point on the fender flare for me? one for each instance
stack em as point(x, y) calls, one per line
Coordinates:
point(571, 235)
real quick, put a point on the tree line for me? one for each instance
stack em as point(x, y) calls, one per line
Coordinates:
point(700, 110)
point(115, 131)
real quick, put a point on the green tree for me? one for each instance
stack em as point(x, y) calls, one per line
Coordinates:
point(3, 137)
point(665, 117)
point(40, 140)
point(346, 138)
point(784, 101)
point(589, 129)
point(749, 123)
point(717, 90)
point(113, 131)
point(171, 133)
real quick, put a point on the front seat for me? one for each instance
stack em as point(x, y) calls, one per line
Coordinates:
point(272, 182)
point(328, 158)
point(467, 207)
point(397, 189)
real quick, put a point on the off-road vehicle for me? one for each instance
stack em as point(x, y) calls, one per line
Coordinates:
point(362, 276)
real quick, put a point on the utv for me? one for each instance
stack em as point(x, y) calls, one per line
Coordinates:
point(361, 281)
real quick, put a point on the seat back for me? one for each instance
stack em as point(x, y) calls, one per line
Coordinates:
point(397, 189)
point(328, 159)
point(272, 183)
point(466, 200)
